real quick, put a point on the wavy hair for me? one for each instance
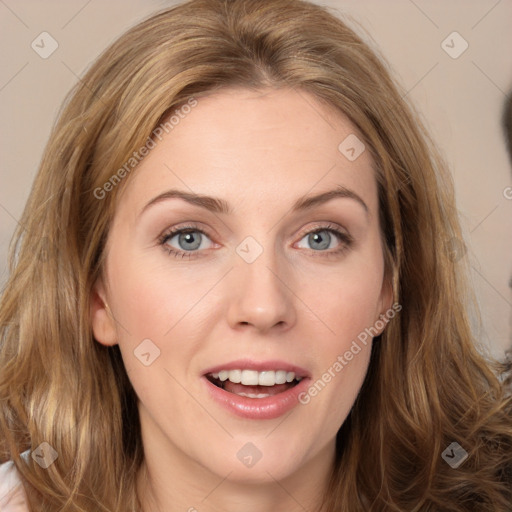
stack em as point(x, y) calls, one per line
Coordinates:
point(427, 384)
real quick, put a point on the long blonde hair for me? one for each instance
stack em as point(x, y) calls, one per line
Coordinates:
point(427, 385)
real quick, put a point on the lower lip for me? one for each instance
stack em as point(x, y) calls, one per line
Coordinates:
point(267, 408)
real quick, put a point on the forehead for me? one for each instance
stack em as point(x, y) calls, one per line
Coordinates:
point(268, 147)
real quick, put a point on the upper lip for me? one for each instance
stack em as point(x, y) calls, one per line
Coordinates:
point(259, 366)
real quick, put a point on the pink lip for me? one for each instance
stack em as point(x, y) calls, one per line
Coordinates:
point(258, 408)
point(259, 366)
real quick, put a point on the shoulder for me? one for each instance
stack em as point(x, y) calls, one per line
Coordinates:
point(12, 494)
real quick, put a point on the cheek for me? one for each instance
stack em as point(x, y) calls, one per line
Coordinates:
point(347, 299)
point(168, 306)
point(342, 354)
point(151, 300)
point(151, 303)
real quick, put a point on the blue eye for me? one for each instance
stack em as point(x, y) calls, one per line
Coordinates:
point(321, 239)
point(190, 240)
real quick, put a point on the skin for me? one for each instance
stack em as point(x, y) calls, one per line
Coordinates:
point(259, 151)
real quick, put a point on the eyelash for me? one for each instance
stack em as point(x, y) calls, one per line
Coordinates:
point(345, 239)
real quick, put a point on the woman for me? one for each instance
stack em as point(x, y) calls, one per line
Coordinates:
point(233, 286)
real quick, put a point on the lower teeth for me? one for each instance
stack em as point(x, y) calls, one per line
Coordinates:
point(252, 395)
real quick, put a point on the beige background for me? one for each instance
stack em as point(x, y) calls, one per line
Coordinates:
point(460, 98)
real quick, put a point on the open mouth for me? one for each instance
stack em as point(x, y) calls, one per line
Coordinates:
point(254, 384)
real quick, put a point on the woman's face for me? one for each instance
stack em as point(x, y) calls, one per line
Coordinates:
point(259, 289)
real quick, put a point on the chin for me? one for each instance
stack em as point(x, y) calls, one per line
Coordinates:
point(258, 461)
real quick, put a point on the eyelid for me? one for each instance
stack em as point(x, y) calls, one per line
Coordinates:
point(328, 226)
point(176, 230)
point(344, 237)
point(339, 232)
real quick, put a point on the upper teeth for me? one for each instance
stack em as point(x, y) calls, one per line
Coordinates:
point(254, 378)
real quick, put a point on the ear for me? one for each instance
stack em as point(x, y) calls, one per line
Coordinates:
point(386, 296)
point(102, 321)
point(385, 303)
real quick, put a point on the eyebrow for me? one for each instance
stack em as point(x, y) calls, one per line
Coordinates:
point(217, 205)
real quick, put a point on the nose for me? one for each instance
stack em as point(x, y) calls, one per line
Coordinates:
point(261, 294)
